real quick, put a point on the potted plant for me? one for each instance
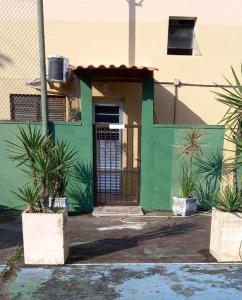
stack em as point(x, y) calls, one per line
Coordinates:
point(44, 226)
point(226, 226)
point(185, 204)
point(191, 147)
point(63, 158)
point(226, 223)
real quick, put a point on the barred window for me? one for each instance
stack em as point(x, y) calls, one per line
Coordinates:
point(180, 36)
point(108, 113)
point(28, 107)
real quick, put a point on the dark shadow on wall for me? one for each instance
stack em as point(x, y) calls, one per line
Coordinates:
point(132, 28)
point(81, 189)
point(165, 106)
point(4, 60)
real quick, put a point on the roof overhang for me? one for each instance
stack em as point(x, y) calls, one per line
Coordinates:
point(114, 73)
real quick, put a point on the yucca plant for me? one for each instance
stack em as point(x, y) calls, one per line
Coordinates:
point(187, 180)
point(206, 195)
point(229, 200)
point(63, 157)
point(29, 194)
point(46, 163)
point(231, 96)
point(192, 144)
point(211, 166)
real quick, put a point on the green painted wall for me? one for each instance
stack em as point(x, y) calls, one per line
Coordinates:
point(79, 136)
point(11, 177)
point(160, 162)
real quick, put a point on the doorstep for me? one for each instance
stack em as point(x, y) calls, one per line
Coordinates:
point(104, 211)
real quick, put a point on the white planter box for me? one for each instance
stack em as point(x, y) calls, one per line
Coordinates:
point(184, 206)
point(45, 238)
point(60, 202)
point(226, 236)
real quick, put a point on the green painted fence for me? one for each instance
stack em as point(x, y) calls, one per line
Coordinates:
point(79, 138)
point(158, 169)
point(160, 162)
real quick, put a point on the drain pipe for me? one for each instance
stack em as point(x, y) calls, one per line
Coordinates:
point(176, 85)
point(44, 104)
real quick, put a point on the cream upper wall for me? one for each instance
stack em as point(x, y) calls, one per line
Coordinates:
point(219, 12)
point(97, 32)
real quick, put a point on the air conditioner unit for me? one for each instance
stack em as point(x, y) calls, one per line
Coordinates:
point(57, 68)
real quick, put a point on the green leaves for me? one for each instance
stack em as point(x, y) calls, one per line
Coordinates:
point(211, 165)
point(29, 141)
point(29, 194)
point(192, 145)
point(228, 200)
point(47, 163)
point(187, 180)
point(232, 98)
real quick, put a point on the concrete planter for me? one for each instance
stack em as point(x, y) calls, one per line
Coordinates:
point(45, 238)
point(226, 236)
point(184, 206)
point(60, 202)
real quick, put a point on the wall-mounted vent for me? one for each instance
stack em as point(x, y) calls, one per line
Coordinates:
point(57, 68)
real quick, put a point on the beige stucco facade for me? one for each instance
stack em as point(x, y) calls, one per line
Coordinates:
point(125, 32)
point(120, 32)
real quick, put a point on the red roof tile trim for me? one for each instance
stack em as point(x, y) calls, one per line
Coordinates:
point(121, 67)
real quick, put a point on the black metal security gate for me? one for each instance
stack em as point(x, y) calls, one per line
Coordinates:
point(117, 165)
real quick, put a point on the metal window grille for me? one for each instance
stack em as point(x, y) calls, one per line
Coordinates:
point(27, 108)
point(117, 165)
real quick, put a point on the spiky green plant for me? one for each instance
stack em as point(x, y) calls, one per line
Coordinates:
point(63, 157)
point(191, 145)
point(211, 167)
point(228, 200)
point(29, 194)
point(206, 195)
point(46, 163)
point(231, 96)
point(187, 180)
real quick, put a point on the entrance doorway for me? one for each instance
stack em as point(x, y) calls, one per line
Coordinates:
point(116, 157)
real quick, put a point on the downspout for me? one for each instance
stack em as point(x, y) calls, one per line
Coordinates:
point(44, 104)
point(176, 85)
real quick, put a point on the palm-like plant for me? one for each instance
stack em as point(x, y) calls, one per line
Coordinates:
point(229, 200)
point(63, 157)
point(206, 195)
point(192, 144)
point(46, 163)
point(30, 195)
point(187, 181)
point(210, 166)
point(232, 98)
